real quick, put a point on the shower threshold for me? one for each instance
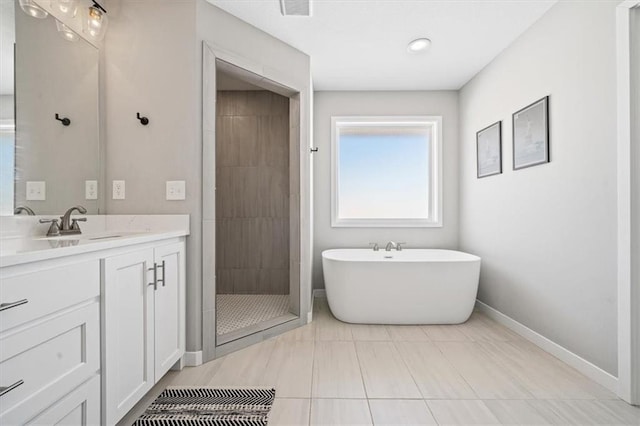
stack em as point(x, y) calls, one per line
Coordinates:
point(239, 315)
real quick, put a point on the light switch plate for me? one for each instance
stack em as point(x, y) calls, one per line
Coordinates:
point(91, 189)
point(176, 190)
point(36, 191)
point(118, 190)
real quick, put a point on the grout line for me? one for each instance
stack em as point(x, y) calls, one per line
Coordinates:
point(364, 386)
point(415, 382)
point(433, 416)
point(313, 369)
point(455, 368)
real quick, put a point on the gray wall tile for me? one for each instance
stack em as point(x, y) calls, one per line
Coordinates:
point(253, 193)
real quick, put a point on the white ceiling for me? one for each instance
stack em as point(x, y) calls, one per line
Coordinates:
point(361, 44)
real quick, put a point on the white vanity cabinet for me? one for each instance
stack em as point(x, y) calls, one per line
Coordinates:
point(143, 299)
point(89, 322)
point(50, 343)
point(169, 304)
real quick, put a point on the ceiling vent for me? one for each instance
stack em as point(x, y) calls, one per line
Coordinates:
point(295, 7)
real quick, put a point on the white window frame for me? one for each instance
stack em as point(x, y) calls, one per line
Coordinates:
point(434, 123)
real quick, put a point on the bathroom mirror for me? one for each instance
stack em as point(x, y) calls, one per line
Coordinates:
point(50, 152)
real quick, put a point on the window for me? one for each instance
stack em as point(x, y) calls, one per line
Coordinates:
point(7, 166)
point(386, 172)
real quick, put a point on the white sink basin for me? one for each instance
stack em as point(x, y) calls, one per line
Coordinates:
point(91, 237)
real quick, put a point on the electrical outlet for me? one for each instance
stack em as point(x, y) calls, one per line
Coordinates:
point(36, 191)
point(176, 190)
point(118, 190)
point(91, 189)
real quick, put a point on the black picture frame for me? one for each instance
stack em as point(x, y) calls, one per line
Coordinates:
point(531, 141)
point(492, 142)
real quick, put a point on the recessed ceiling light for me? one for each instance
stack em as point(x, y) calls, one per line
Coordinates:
point(418, 45)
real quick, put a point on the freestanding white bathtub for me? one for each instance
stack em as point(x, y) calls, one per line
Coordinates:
point(412, 286)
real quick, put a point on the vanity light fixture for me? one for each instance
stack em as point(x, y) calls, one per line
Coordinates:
point(68, 8)
point(418, 45)
point(32, 9)
point(66, 32)
point(97, 21)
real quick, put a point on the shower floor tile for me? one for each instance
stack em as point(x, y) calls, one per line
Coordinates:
point(238, 311)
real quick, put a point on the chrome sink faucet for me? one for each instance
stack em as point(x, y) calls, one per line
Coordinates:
point(24, 209)
point(393, 245)
point(70, 226)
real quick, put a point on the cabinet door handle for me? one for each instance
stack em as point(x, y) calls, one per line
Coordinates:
point(155, 276)
point(5, 306)
point(163, 273)
point(7, 389)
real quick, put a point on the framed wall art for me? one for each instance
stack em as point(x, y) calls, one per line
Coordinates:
point(489, 150)
point(531, 135)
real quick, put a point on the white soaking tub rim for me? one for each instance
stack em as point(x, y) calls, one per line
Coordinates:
point(408, 255)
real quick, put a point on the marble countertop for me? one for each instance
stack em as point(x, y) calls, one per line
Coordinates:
point(24, 241)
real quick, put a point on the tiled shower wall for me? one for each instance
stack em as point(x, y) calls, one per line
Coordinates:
point(252, 193)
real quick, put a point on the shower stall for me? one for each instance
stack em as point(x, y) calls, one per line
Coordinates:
point(257, 238)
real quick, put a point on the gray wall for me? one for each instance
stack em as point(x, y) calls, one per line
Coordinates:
point(151, 68)
point(328, 104)
point(55, 76)
point(153, 62)
point(547, 234)
point(235, 41)
point(252, 193)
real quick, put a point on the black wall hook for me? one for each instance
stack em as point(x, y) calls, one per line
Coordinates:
point(143, 120)
point(99, 6)
point(314, 150)
point(65, 121)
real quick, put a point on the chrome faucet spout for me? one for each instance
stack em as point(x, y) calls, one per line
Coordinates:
point(66, 227)
point(391, 245)
point(25, 209)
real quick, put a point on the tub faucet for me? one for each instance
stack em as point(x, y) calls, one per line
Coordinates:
point(70, 226)
point(375, 246)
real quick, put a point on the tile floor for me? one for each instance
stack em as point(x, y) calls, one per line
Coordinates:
point(238, 311)
point(478, 373)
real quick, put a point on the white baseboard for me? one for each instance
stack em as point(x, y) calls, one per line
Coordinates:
point(593, 372)
point(192, 359)
point(320, 293)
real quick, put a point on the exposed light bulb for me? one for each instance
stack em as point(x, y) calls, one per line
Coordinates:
point(418, 45)
point(96, 23)
point(32, 9)
point(66, 32)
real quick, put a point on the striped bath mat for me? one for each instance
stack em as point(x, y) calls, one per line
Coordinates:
point(209, 406)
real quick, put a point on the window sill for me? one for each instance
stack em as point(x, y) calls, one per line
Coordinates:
point(385, 223)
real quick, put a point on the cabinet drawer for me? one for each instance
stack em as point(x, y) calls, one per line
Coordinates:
point(48, 360)
point(47, 291)
point(80, 408)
